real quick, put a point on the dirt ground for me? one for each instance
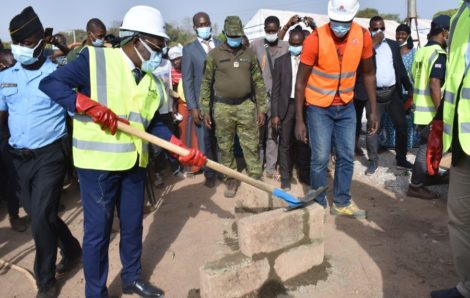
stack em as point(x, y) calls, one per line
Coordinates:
point(401, 250)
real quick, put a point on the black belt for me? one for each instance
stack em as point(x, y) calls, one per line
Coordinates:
point(385, 88)
point(27, 154)
point(231, 101)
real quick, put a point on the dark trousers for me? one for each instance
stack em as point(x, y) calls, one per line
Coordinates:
point(161, 156)
point(420, 170)
point(286, 141)
point(359, 105)
point(8, 181)
point(394, 106)
point(101, 193)
point(40, 177)
point(207, 145)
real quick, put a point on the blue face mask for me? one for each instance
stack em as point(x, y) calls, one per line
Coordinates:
point(98, 42)
point(340, 29)
point(153, 62)
point(234, 42)
point(295, 50)
point(25, 55)
point(204, 32)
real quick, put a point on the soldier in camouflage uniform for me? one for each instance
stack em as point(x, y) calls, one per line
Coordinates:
point(233, 77)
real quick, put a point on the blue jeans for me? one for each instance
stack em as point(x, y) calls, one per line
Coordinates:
point(333, 126)
point(102, 192)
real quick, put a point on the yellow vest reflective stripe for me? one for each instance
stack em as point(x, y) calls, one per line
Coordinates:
point(421, 70)
point(458, 81)
point(112, 84)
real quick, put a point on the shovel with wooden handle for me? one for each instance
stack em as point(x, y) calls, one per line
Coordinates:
point(294, 202)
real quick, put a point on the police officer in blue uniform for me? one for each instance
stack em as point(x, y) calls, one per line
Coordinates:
point(37, 128)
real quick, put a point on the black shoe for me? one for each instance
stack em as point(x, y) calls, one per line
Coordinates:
point(143, 289)
point(66, 264)
point(285, 184)
point(18, 224)
point(371, 168)
point(210, 182)
point(447, 293)
point(47, 292)
point(404, 165)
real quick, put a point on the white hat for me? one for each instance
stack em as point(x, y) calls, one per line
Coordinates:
point(144, 19)
point(342, 10)
point(175, 52)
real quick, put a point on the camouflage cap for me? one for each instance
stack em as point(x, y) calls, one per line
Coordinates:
point(233, 26)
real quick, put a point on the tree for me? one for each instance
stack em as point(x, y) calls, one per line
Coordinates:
point(178, 34)
point(372, 12)
point(449, 12)
point(367, 13)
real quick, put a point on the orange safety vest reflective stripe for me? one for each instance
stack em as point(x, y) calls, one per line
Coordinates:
point(329, 76)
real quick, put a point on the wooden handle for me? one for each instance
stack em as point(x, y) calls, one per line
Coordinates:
point(182, 151)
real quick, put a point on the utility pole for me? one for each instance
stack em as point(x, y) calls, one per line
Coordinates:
point(413, 18)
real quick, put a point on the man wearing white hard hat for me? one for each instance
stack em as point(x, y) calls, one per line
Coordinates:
point(115, 85)
point(325, 84)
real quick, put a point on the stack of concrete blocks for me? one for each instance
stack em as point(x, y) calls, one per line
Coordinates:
point(275, 246)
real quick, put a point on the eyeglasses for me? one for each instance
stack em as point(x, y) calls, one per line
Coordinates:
point(377, 29)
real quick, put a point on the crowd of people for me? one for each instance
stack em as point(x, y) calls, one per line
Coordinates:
point(274, 104)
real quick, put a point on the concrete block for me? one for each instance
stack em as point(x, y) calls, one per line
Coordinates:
point(233, 276)
point(316, 222)
point(299, 259)
point(251, 199)
point(270, 231)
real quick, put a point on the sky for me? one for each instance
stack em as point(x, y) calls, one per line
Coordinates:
point(64, 15)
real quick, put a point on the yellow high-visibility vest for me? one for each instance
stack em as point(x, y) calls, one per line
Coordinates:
point(421, 71)
point(112, 84)
point(458, 81)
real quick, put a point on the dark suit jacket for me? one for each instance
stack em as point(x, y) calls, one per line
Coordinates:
point(401, 76)
point(192, 69)
point(282, 86)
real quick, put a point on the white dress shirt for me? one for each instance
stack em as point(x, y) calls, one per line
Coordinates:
point(295, 67)
point(385, 70)
point(204, 45)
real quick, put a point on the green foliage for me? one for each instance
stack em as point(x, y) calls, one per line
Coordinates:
point(449, 12)
point(179, 35)
point(221, 37)
point(372, 12)
point(367, 13)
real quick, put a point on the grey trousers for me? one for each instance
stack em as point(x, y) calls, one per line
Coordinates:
point(458, 208)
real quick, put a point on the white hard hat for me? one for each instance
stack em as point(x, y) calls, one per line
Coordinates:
point(144, 19)
point(342, 10)
point(175, 52)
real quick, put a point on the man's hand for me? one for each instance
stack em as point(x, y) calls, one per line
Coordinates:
point(293, 20)
point(301, 131)
point(373, 123)
point(434, 151)
point(98, 113)
point(378, 38)
point(207, 121)
point(275, 122)
point(195, 158)
point(261, 119)
point(197, 116)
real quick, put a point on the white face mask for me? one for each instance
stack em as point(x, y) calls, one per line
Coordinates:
point(271, 37)
point(25, 55)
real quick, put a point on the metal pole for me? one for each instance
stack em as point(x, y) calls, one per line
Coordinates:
point(412, 15)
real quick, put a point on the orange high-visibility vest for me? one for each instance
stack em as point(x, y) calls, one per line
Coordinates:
point(329, 76)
